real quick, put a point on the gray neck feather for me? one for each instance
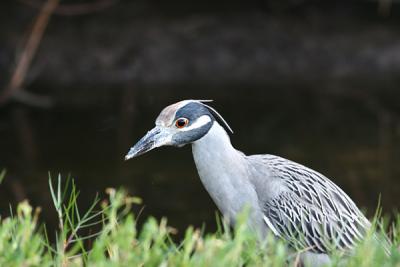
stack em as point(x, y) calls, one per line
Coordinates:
point(224, 173)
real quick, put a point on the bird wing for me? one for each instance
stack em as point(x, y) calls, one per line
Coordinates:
point(311, 212)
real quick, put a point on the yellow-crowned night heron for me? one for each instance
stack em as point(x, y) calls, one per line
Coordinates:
point(296, 203)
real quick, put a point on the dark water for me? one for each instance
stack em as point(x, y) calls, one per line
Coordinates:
point(351, 139)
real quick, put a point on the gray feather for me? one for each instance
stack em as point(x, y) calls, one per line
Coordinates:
point(310, 211)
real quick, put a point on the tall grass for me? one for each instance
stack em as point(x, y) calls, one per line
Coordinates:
point(116, 240)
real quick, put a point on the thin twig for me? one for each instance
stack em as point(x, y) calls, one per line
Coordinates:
point(75, 9)
point(29, 50)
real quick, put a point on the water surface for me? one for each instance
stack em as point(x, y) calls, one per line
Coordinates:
point(346, 138)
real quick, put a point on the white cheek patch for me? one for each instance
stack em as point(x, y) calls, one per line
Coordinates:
point(203, 120)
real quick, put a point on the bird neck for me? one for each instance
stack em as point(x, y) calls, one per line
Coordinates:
point(214, 150)
point(222, 170)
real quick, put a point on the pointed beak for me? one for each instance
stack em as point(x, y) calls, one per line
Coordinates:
point(154, 138)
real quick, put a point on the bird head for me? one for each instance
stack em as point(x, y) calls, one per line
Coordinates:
point(177, 125)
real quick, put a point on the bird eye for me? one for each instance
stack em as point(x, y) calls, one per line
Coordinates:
point(181, 122)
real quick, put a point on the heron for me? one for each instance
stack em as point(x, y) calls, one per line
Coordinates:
point(295, 203)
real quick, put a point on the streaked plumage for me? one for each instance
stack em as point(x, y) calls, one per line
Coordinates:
point(311, 211)
point(296, 203)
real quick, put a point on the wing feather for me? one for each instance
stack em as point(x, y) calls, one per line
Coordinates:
point(312, 212)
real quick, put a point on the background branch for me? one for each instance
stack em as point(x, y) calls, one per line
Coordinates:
point(75, 9)
point(25, 59)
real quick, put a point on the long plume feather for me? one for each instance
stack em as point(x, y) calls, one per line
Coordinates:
point(216, 114)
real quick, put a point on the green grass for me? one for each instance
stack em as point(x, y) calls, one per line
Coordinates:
point(116, 240)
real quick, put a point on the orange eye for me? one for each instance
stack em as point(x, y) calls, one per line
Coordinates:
point(181, 122)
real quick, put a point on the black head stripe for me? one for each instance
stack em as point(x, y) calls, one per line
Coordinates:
point(196, 109)
point(181, 138)
point(192, 111)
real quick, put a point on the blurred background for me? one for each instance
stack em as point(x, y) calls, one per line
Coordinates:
point(81, 81)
